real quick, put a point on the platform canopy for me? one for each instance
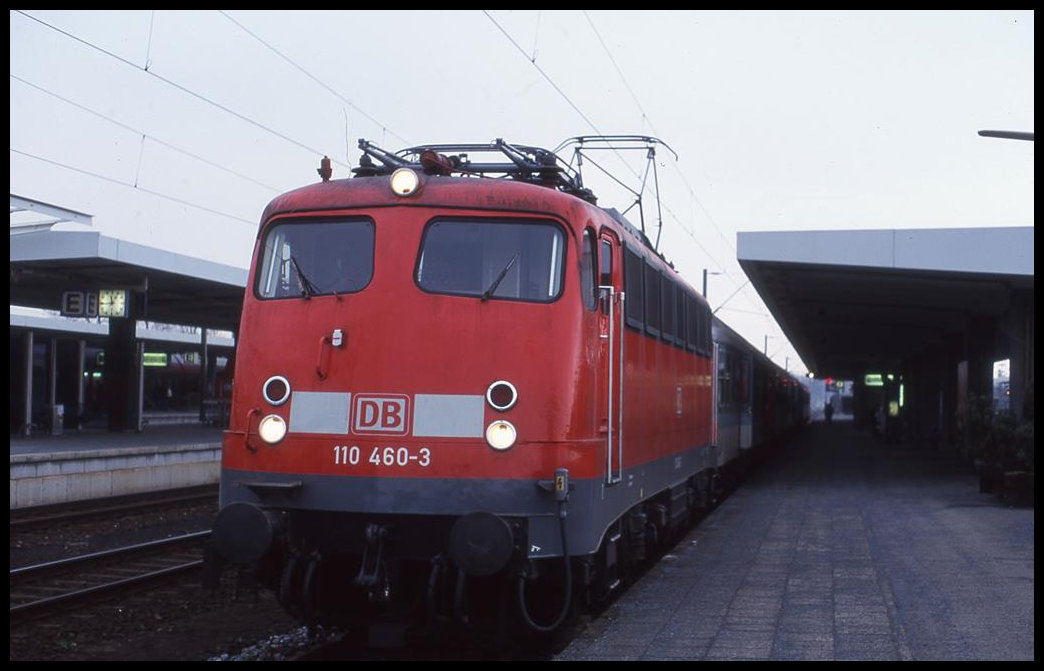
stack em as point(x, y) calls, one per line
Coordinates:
point(55, 250)
point(852, 302)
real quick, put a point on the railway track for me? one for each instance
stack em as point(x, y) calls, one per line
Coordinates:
point(42, 589)
point(27, 519)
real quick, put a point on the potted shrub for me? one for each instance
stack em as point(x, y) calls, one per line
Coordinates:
point(974, 423)
point(1018, 478)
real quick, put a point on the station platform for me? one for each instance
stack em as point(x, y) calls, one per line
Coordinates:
point(170, 452)
point(844, 548)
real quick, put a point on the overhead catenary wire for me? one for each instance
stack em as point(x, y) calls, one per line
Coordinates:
point(543, 73)
point(565, 97)
point(151, 192)
point(137, 131)
point(148, 44)
point(145, 65)
point(589, 122)
point(616, 67)
point(315, 79)
point(692, 192)
point(135, 185)
point(648, 119)
point(180, 87)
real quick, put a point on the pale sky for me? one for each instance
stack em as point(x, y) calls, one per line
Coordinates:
point(175, 128)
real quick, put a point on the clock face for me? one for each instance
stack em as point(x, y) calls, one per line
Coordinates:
point(112, 303)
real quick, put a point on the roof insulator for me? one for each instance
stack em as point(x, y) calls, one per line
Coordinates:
point(325, 170)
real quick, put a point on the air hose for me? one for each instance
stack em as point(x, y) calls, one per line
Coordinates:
point(568, 583)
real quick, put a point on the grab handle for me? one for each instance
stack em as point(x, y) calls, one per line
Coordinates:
point(246, 434)
point(326, 343)
point(324, 348)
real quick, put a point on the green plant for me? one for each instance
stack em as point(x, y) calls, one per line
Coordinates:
point(1023, 446)
point(995, 438)
point(974, 419)
point(1000, 440)
point(1022, 443)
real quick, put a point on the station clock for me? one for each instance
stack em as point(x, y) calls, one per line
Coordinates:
point(113, 302)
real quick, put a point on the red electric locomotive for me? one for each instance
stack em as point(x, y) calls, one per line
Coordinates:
point(460, 397)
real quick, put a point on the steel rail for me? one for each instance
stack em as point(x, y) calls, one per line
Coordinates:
point(21, 518)
point(36, 605)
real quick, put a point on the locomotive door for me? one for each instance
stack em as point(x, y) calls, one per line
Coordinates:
point(611, 299)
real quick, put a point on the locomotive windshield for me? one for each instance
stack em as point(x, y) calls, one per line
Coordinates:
point(492, 259)
point(305, 259)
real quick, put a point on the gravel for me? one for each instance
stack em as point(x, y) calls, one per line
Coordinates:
point(279, 648)
point(180, 621)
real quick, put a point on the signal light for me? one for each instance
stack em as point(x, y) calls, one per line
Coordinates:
point(501, 395)
point(276, 390)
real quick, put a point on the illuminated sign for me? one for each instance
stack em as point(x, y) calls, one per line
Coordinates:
point(158, 359)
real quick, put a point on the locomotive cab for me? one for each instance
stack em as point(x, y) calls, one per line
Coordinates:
point(405, 383)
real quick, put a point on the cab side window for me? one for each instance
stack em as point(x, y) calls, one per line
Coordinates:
point(588, 286)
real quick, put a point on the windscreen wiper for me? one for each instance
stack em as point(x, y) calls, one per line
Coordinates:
point(493, 287)
point(307, 287)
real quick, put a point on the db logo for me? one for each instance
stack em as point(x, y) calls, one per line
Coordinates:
point(383, 415)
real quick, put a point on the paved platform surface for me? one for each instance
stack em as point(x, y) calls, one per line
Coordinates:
point(91, 440)
point(843, 549)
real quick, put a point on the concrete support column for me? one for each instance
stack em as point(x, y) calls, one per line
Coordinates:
point(52, 372)
point(1018, 331)
point(27, 417)
point(81, 384)
point(53, 424)
point(120, 378)
point(202, 375)
point(139, 406)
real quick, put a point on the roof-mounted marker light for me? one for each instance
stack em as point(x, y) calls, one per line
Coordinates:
point(404, 182)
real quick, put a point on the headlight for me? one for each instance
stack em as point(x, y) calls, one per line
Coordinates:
point(501, 395)
point(272, 429)
point(404, 182)
point(276, 390)
point(501, 435)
